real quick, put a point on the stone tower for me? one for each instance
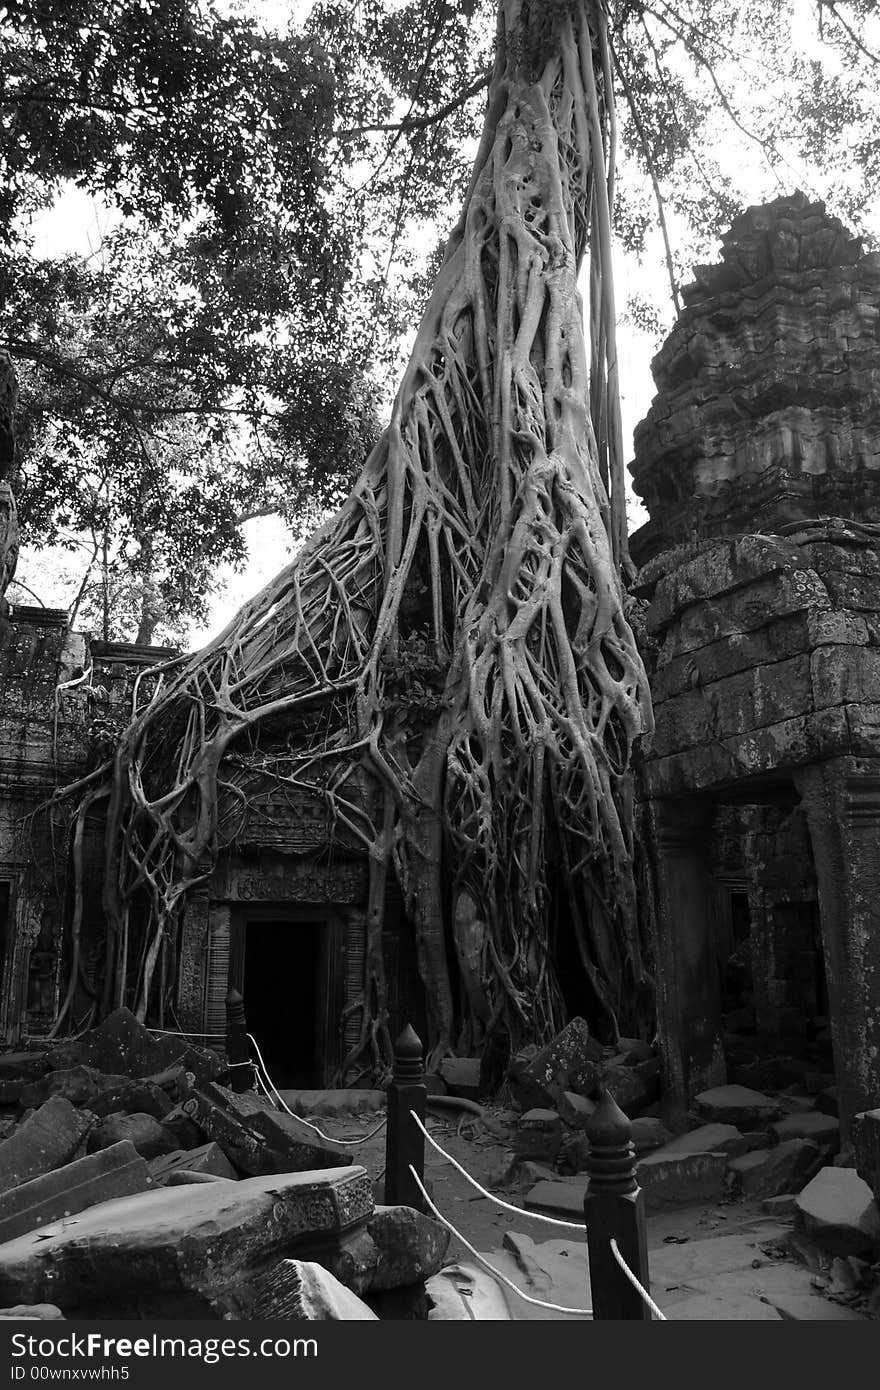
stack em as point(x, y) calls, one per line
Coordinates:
point(759, 463)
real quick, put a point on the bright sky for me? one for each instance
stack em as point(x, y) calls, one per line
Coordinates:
point(77, 224)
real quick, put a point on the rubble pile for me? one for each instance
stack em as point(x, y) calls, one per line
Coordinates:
point(135, 1183)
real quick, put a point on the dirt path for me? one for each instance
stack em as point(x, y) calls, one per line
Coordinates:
point(707, 1261)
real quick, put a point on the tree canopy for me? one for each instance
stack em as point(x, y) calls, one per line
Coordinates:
point(279, 201)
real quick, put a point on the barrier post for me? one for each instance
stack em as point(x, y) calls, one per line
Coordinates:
point(238, 1053)
point(614, 1209)
point(404, 1142)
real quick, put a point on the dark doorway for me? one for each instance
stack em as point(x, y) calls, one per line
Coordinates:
point(284, 998)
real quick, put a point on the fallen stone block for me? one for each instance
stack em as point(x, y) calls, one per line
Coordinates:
point(80, 1085)
point(633, 1050)
point(671, 1180)
point(782, 1206)
point(183, 1128)
point(568, 1063)
point(462, 1077)
point(866, 1148)
point(18, 1070)
point(262, 1141)
point(649, 1133)
point(564, 1199)
point(207, 1158)
point(411, 1246)
point(714, 1138)
point(122, 1045)
point(575, 1110)
point(826, 1101)
point(319, 1296)
point(539, 1135)
point(133, 1097)
point(148, 1136)
point(314, 1104)
point(115, 1172)
point(187, 1252)
point(737, 1105)
point(46, 1139)
point(808, 1124)
point(786, 1167)
point(181, 1177)
point(464, 1292)
point(633, 1088)
point(838, 1212)
point(32, 1312)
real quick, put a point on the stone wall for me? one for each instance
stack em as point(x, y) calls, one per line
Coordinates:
point(760, 465)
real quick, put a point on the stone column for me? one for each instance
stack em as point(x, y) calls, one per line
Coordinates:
point(689, 994)
point(841, 798)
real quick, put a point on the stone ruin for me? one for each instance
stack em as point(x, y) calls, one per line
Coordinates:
point(759, 463)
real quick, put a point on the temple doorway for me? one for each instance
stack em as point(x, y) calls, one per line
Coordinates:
point(284, 962)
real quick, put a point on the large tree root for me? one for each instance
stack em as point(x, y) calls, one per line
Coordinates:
point(446, 663)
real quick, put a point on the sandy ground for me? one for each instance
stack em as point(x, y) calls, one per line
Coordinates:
point(738, 1264)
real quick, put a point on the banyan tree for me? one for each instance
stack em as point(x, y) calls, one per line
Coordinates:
point(447, 663)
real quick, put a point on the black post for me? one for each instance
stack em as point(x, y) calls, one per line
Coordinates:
point(238, 1053)
point(404, 1141)
point(614, 1209)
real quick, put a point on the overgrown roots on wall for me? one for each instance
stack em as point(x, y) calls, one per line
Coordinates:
point(447, 663)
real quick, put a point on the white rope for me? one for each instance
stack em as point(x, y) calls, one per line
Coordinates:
point(527, 1298)
point(508, 1206)
point(180, 1033)
point(346, 1143)
point(635, 1283)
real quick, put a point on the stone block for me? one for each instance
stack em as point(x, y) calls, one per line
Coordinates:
point(146, 1133)
point(115, 1172)
point(133, 1097)
point(539, 1135)
point(122, 1045)
point(844, 675)
point(730, 564)
point(32, 1312)
point(769, 1172)
point(808, 1124)
point(838, 1212)
point(575, 1110)
point(649, 1133)
point(679, 1179)
point(866, 1148)
point(331, 1103)
point(565, 1199)
point(186, 1252)
point(782, 1206)
point(568, 1063)
point(465, 1292)
point(258, 1141)
point(711, 1138)
point(462, 1077)
point(207, 1158)
point(633, 1088)
point(737, 1105)
point(46, 1139)
point(411, 1246)
point(319, 1297)
point(80, 1085)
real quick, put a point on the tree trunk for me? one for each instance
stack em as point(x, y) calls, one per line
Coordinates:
point(461, 619)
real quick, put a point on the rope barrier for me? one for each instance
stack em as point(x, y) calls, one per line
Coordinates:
point(346, 1143)
point(661, 1316)
point(508, 1206)
point(496, 1273)
point(181, 1033)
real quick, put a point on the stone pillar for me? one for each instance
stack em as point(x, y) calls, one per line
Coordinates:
point(841, 798)
point(689, 993)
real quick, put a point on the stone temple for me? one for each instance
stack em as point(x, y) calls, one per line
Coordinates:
point(759, 465)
